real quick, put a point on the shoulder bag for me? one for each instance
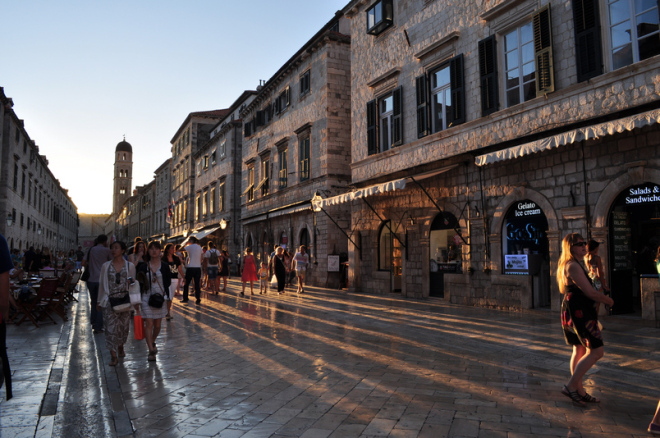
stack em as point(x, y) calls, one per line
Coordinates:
point(121, 301)
point(155, 300)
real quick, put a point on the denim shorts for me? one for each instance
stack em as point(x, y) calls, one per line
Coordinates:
point(213, 272)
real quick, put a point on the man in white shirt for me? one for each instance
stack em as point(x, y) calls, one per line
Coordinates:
point(193, 269)
point(212, 257)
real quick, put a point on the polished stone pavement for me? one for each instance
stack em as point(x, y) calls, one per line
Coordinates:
point(328, 364)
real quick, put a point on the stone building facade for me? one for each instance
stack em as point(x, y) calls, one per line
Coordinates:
point(483, 132)
point(191, 135)
point(162, 201)
point(297, 144)
point(217, 180)
point(38, 211)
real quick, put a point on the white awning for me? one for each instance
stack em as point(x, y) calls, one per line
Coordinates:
point(569, 137)
point(200, 234)
point(390, 186)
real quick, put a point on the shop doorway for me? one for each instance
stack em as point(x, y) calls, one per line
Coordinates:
point(634, 234)
point(445, 254)
point(526, 250)
point(389, 254)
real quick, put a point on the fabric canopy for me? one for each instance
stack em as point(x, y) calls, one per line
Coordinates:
point(390, 186)
point(569, 137)
point(201, 234)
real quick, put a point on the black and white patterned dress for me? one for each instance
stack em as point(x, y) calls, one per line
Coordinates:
point(117, 325)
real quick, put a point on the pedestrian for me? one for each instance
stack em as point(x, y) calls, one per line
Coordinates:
point(212, 259)
point(28, 259)
point(249, 271)
point(80, 255)
point(5, 266)
point(176, 272)
point(224, 271)
point(139, 254)
point(263, 277)
point(287, 262)
point(278, 266)
point(116, 276)
point(96, 257)
point(154, 277)
point(193, 269)
point(654, 427)
point(205, 275)
point(579, 318)
point(301, 261)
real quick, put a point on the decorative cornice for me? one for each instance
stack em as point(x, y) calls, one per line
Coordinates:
point(393, 72)
point(450, 38)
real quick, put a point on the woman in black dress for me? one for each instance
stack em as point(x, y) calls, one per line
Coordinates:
point(579, 318)
point(277, 265)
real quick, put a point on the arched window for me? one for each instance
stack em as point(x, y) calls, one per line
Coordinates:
point(385, 247)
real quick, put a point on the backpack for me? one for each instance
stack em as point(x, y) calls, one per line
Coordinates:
point(213, 258)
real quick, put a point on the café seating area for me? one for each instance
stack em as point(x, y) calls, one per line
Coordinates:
point(42, 298)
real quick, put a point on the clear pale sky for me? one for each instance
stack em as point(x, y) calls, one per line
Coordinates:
point(83, 74)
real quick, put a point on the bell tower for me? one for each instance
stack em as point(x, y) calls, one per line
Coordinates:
point(123, 175)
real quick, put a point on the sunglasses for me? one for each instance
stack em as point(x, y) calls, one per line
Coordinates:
point(580, 244)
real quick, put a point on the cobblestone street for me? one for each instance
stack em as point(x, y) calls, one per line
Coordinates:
point(328, 364)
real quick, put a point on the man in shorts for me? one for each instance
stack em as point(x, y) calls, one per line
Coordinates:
point(299, 263)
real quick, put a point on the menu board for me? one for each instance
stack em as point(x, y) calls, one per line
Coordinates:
point(621, 240)
point(333, 263)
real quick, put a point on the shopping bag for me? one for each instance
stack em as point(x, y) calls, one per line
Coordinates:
point(138, 328)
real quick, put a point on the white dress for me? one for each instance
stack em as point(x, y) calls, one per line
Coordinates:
point(149, 312)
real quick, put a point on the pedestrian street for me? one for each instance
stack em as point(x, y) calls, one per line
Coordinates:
point(328, 364)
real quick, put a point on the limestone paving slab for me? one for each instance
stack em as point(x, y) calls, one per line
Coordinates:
point(332, 364)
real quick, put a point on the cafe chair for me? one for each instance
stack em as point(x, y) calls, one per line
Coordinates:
point(47, 273)
point(39, 308)
point(73, 283)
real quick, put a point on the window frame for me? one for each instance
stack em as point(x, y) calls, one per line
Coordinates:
point(284, 168)
point(304, 154)
point(305, 83)
point(374, 117)
point(387, 17)
point(633, 30)
point(250, 194)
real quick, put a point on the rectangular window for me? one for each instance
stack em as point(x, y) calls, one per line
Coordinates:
point(379, 17)
point(15, 176)
point(205, 203)
point(22, 219)
point(205, 162)
point(304, 83)
point(284, 173)
point(223, 149)
point(250, 189)
point(633, 31)
point(212, 201)
point(283, 100)
point(199, 167)
point(303, 158)
point(385, 122)
point(198, 207)
point(519, 67)
point(29, 192)
point(221, 197)
point(265, 177)
point(213, 160)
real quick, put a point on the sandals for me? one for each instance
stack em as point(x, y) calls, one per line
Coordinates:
point(589, 398)
point(573, 395)
point(151, 357)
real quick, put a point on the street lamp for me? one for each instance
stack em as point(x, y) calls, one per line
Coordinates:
point(39, 230)
point(223, 224)
point(317, 203)
point(10, 219)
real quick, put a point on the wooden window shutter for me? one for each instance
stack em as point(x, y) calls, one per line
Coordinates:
point(421, 90)
point(588, 54)
point(457, 91)
point(397, 117)
point(488, 75)
point(372, 128)
point(545, 80)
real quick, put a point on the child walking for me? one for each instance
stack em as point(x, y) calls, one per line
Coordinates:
point(263, 275)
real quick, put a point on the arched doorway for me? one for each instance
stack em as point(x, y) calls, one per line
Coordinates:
point(634, 237)
point(304, 239)
point(389, 254)
point(445, 251)
point(525, 248)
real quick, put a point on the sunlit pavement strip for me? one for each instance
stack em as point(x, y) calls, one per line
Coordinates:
point(332, 364)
